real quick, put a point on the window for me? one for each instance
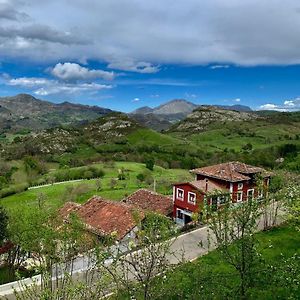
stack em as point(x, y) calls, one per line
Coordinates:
point(222, 199)
point(250, 194)
point(179, 214)
point(191, 198)
point(240, 186)
point(260, 193)
point(180, 194)
point(239, 197)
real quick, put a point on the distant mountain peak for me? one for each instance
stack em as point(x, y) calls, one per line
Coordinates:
point(143, 110)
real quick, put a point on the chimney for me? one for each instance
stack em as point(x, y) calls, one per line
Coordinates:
point(206, 184)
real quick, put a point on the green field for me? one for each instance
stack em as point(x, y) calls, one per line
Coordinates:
point(56, 194)
point(210, 277)
point(236, 135)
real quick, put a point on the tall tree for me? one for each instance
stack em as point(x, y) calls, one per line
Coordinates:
point(233, 227)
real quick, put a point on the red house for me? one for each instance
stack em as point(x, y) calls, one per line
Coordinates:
point(235, 178)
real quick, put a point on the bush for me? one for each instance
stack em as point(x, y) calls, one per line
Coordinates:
point(150, 164)
point(14, 189)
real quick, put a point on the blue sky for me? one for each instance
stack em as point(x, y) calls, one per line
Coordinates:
point(124, 54)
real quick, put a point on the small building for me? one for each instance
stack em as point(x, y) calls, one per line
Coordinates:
point(150, 201)
point(237, 179)
point(104, 218)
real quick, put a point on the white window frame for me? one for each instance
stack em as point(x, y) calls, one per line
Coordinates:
point(252, 190)
point(240, 185)
point(261, 193)
point(177, 194)
point(189, 197)
point(239, 196)
point(181, 212)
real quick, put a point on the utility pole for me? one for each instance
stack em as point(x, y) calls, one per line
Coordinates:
point(154, 185)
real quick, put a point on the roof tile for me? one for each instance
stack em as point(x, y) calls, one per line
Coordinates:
point(150, 201)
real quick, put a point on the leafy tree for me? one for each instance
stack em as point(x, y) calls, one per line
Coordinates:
point(150, 164)
point(98, 184)
point(233, 228)
point(113, 183)
point(3, 225)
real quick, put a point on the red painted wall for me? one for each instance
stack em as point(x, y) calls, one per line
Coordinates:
point(183, 204)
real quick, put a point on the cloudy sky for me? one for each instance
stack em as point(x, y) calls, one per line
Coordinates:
point(124, 54)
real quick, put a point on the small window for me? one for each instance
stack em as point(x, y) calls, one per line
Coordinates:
point(179, 214)
point(260, 193)
point(180, 194)
point(250, 194)
point(240, 186)
point(239, 197)
point(191, 198)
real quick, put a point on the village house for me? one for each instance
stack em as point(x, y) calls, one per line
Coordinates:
point(105, 218)
point(236, 179)
point(112, 218)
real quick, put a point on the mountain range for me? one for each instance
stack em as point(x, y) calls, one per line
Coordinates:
point(24, 111)
point(165, 115)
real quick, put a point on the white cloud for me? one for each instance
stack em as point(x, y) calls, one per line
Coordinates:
point(190, 96)
point(219, 67)
point(237, 100)
point(269, 106)
point(72, 72)
point(136, 100)
point(28, 81)
point(152, 33)
point(288, 105)
point(129, 65)
point(44, 87)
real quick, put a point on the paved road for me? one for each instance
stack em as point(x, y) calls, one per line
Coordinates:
point(188, 246)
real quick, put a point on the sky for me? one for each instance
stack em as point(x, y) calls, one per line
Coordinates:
point(124, 54)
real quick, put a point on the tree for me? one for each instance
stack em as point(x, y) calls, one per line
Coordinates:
point(233, 228)
point(3, 225)
point(134, 272)
point(113, 183)
point(55, 245)
point(98, 184)
point(150, 164)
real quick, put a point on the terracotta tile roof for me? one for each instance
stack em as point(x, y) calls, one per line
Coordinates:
point(150, 201)
point(104, 217)
point(68, 208)
point(6, 247)
point(231, 171)
point(201, 185)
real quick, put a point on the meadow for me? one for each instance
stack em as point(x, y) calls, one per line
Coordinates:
point(211, 277)
point(109, 186)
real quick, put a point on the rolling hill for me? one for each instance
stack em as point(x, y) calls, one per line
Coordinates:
point(25, 111)
point(203, 117)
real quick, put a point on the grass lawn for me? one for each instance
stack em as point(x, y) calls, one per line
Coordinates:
point(5, 277)
point(56, 194)
point(259, 134)
point(203, 278)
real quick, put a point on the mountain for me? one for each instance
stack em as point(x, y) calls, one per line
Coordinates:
point(143, 110)
point(236, 107)
point(206, 115)
point(25, 111)
point(150, 120)
point(175, 107)
point(164, 116)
